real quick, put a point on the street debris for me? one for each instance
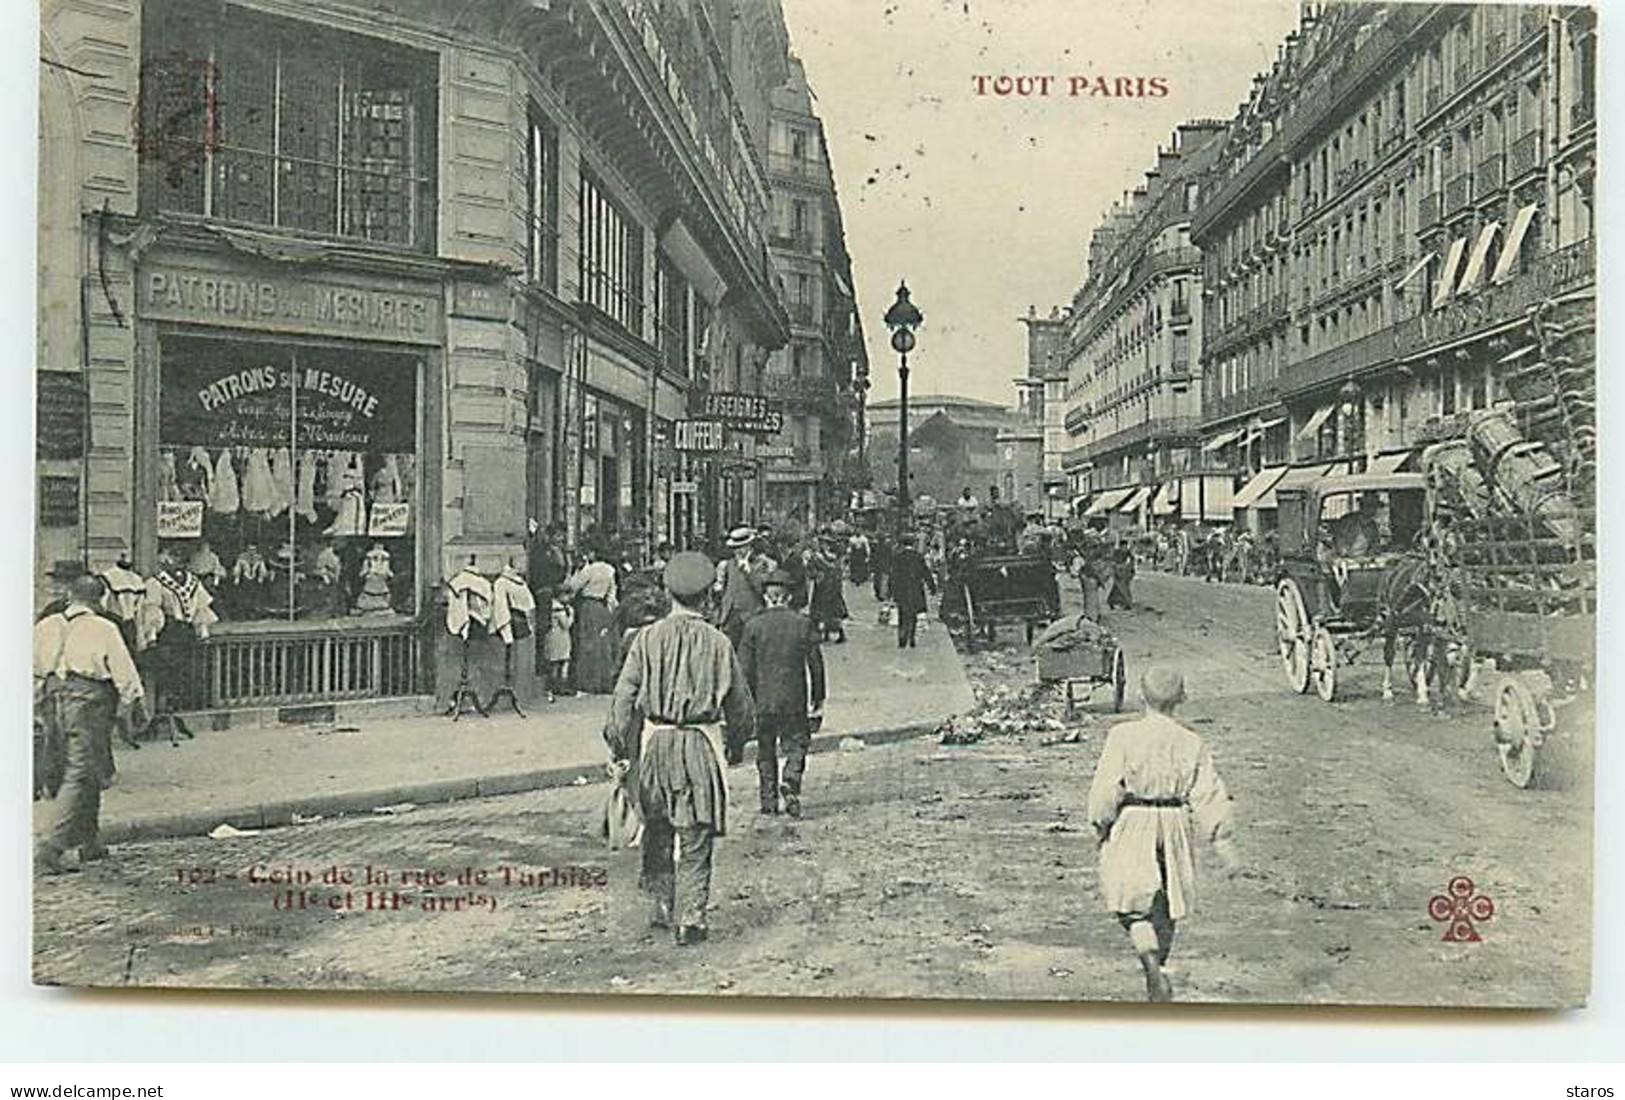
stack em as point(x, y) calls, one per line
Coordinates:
point(304, 819)
point(227, 832)
point(853, 744)
point(396, 808)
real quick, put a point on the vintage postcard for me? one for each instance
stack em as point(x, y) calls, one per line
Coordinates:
point(934, 499)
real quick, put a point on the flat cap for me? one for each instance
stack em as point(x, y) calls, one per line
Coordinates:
point(689, 574)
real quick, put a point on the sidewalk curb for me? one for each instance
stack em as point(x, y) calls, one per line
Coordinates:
point(273, 815)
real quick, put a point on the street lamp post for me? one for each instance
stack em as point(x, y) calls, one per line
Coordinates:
point(903, 318)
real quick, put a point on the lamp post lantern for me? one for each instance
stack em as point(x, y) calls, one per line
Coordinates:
point(903, 318)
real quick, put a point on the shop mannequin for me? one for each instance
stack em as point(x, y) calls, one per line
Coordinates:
point(376, 572)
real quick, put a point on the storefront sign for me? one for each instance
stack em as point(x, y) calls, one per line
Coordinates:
point(277, 302)
point(775, 450)
point(58, 501)
point(700, 435)
point(484, 301)
point(221, 394)
point(389, 521)
point(61, 411)
point(180, 519)
point(745, 412)
point(685, 487)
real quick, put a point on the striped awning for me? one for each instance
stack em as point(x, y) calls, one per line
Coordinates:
point(1514, 241)
point(1475, 260)
point(1221, 439)
point(1167, 499)
point(1107, 500)
point(1389, 463)
point(1447, 276)
point(1312, 425)
point(1260, 483)
point(1135, 499)
point(1294, 478)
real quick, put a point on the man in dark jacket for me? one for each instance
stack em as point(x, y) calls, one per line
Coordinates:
point(911, 577)
point(785, 671)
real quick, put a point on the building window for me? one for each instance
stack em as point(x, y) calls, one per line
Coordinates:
point(267, 121)
point(303, 459)
point(542, 203)
point(611, 257)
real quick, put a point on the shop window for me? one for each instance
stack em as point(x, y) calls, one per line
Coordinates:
point(269, 121)
point(671, 322)
point(542, 202)
point(288, 476)
point(611, 249)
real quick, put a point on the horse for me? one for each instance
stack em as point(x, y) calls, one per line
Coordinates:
point(1414, 598)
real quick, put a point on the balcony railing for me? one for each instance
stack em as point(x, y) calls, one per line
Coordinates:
point(1179, 313)
point(1457, 194)
point(1581, 111)
point(1524, 156)
point(1256, 396)
point(803, 313)
point(1431, 100)
point(1490, 175)
point(1464, 75)
point(803, 168)
point(1531, 21)
point(809, 390)
point(1162, 427)
point(1494, 46)
point(1427, 211)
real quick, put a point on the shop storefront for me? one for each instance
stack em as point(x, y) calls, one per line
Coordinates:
point(612, 493)
point(287, 456)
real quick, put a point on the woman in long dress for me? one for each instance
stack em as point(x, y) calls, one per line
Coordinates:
point(592, 589)
point(1154, 777)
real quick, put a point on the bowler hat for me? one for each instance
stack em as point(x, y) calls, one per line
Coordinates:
point(689, 574)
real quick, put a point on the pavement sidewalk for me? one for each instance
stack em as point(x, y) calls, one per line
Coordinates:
point(253, 778)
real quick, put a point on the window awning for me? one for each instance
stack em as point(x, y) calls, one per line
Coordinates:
point(1447, 277)
point(1312, 425)
point(1388, 464)
point(1258, 430)
point(1295, 478)
point(1514, 241)
point(1135, 499)
point(1475, 259)
point(1220, 440)
point(1167, 500)
point(1261, 483)
point(1416, 270)
point(1107, 500)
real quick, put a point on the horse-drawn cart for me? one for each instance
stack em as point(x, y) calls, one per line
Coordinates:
point(1079, 652)
point(1341, 539)
point(983, 593)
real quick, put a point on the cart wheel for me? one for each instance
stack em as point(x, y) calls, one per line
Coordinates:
point(1119, 680)
point(1323, 663)
point(1291, 634)
point(1517, 734)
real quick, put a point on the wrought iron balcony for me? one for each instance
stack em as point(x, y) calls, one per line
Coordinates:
point(1581, 111)
point(1494, 46)
point(1215, 407)
point(1431, 100)
point(800, 168)
point(1464, 74)
point(1457, 194)
point(1531, 21)
point(1524, 156)
point(1491, 175)
point(803, 313)
point(1427, 211)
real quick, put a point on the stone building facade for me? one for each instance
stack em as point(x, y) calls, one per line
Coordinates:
point(1374, 228)
point(319, 278)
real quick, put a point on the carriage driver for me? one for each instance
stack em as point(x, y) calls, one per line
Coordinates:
point(1360, 532)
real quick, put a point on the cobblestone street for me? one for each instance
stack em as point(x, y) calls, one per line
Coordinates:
point(921, 869)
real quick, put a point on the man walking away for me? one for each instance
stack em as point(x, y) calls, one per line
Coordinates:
point(785, 670)
point(738, 584)
point(679, 681)
point(910, 578)
point(1153, 777)
point(83, 673)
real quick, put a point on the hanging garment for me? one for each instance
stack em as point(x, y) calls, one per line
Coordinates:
point(304, 500)
point(175, 597)
point(195, 479)
point(125, 591)
point(337, 463)
point(468, 604)
point(376, 571)
point(258, 492)
point(351, 518)
point(224, 498)
point(206, 566)
point(328, 566)
point(408, 466)
point(281, 482)
point(251, 567)
point(168, 488)
point(512, 606)
point(386, 483)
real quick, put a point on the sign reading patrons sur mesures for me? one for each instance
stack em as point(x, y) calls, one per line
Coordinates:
point(282, 303)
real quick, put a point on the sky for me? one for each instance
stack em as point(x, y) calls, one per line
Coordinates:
point(985, 203)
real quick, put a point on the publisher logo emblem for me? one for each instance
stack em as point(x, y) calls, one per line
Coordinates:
point(1461, 909)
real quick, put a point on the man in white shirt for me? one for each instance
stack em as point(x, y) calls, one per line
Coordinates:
point(83, 674)
point(967, 500)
